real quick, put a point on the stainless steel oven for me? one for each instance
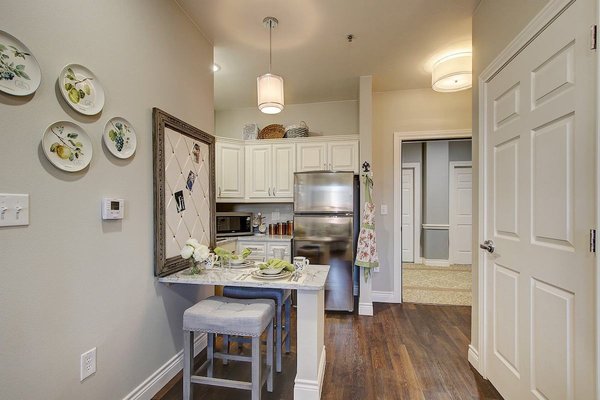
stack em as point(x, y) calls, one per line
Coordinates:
point(234, 224)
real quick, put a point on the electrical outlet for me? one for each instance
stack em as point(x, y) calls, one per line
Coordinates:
point(384, 209)
point(88, 363)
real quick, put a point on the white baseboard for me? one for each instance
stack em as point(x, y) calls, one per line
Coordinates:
point(365, 309)
point(473, 357)
point(383, 297)
point(436, 263)
point(164, 374)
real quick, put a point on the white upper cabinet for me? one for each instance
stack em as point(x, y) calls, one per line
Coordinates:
point(230, 170)
point(270, 171)
point(258, 171)
point(343, 156)
point(328, 156)
point(263, 170)
point(311, 157)
point(284, 166)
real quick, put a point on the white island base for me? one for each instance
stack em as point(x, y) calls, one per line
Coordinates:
point(310, 345)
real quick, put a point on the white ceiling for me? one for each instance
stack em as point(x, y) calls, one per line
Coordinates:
point(396, 41)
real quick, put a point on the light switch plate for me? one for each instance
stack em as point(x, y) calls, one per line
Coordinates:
point(384, 209)
point(14, 209)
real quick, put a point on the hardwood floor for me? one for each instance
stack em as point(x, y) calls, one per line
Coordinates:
point(406, 351)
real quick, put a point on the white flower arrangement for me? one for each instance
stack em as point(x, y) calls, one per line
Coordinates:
point(193, 248)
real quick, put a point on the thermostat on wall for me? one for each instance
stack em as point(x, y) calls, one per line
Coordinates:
point(113, 208)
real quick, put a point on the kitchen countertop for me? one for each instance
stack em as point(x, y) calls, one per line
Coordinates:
point(257, 238)
point(312, 278)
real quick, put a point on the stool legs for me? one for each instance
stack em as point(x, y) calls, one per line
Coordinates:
point(225, 348)
point(256, 370)
point(210, 351)
point(188, 362)
point(288, 324)
point(279, 334)
point(270, 357)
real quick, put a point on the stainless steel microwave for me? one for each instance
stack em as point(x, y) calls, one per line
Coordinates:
point(234, 224)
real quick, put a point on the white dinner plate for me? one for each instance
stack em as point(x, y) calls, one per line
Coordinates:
point(245, 264)
point(258, 275)
point(119, 137)
point(20, 73)
point(67, 146)
point(81, 89)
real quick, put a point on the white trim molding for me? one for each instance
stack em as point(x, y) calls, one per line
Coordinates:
point(473, 357)
point(308, 389)
point(436, 227)
point(436, 263)
point(399, 137)
point(383, 297)
point(147, 389)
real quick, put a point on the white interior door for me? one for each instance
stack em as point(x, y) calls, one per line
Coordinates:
point(539, 139)
point(408, 214)
point(461, 213)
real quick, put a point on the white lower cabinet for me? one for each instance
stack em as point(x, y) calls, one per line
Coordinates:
point(262, 251)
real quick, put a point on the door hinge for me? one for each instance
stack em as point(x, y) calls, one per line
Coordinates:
point(594, 37)
point(592, 240)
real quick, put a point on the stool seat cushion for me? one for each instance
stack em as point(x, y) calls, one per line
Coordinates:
point(279, 295)
point(217, 314)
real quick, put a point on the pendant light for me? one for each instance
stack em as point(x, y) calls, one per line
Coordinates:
point(453, 73)
point(270, 86)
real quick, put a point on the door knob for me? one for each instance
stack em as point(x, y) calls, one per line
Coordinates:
point(488, 245)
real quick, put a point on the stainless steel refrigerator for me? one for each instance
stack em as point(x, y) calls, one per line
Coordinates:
point(326, 229)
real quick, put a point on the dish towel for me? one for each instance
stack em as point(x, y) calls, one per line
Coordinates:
point(366, 252)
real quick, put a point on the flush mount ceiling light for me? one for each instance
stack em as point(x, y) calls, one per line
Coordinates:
point(270, 86)
point(453, 73)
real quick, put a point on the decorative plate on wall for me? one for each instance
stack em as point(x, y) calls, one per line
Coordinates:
point(67, 146)
point(119, 137)
point(81, 89)
point(20, 72)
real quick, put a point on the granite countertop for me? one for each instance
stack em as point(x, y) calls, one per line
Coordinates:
point(312, 278)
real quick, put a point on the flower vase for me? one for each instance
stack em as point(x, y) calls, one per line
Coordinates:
point(196, 267)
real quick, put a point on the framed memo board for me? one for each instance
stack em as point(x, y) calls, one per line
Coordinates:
point(184, 190)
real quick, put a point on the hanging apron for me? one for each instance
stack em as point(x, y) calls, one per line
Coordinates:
point(366, 252)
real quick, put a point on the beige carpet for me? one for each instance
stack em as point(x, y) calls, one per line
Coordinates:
point(436, 285)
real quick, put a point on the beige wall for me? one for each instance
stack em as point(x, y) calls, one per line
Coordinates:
point(327, 118)
point(71, 282)
point(495, 25)
point(405, 111)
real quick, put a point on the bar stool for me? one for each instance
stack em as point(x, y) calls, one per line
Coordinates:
point(282, 298)
point(222, 315)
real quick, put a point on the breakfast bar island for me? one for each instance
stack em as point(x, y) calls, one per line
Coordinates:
point(310, 286)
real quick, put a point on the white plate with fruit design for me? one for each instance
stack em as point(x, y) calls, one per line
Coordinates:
point(67, 146)
point(119, 137)
point(20, 73)
point(81, 89)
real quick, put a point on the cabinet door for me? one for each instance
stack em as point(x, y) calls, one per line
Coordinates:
point(258, 171)
point(343, 156)
point(284, 161)
point(259, 250)
point(311, 157)
point(230, 170)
